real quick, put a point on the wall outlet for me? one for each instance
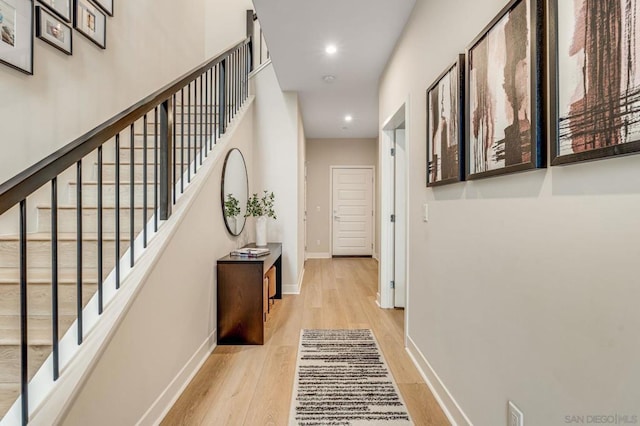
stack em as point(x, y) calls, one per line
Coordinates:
point(317, 242)
point(515, 416)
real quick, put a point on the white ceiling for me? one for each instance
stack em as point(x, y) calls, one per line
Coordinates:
point(365, 32)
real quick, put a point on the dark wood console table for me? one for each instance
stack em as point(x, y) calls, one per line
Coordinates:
point(241, 295)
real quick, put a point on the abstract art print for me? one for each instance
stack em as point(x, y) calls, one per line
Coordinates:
point(595, 79)
point(445, 126)
point(505, 119)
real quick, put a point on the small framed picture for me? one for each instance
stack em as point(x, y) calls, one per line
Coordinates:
point(445, 126)
point(52, 30)
point(106, 5)
point(91, 22)
point(62, 8)
point(16, 34)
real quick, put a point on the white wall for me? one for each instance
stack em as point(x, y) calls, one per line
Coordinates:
point(173, 318)
point(225, 24)
point(321, 154)
point(68, 95)
point(525, 286)
point(277, 146)
point(302, 156)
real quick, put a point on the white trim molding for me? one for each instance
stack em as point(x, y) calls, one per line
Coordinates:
point(311, 255)
point(172, 392)
point(295, 288)
point(451, 408)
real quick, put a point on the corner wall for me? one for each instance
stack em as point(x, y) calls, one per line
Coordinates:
point(279, 157)
point(525, 286)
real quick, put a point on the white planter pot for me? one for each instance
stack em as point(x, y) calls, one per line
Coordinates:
point(261, 231)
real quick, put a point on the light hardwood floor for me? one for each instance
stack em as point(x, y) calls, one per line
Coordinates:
point(252, 385)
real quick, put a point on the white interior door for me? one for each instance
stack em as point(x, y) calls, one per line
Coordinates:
point(352, 211)
point(400, 228)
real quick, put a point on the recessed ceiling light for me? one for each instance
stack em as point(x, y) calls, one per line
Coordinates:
point(329, 78)
point(348, 118)
point(331, 49)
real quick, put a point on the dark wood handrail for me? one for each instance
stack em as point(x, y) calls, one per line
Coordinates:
point(25, 183)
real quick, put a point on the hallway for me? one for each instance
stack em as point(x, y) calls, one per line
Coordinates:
point(252, 385)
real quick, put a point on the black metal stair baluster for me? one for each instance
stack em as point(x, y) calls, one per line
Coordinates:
point(144, 182)
point(205, 102)
point(132, 195)
point(79, 249)
point(155, 172)
point(117, 211)
point(100, 235)
point(174, 185)
point(202, 140)
point(216, 106)
point(54, 278)
point(24, 359)
point(166, 151)
point(182, 140)
point(195, 127)
point(188, 134)
point(211, 110)
point(222, 92)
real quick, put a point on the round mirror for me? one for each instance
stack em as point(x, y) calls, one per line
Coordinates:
point(235, 190)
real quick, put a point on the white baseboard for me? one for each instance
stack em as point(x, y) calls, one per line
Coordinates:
point(295, 288)
point(378, 300)
point(318, 255)
point(451, 409)
point(172, 392)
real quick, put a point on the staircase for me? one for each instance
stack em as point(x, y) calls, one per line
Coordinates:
point(39, 271)
point(147, 154)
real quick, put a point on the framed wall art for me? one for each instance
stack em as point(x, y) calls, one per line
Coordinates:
point(504, 96)
point(595, 79)
point(106, 5)
point(91, 22)
point(62, 8)
point(52, 30)
point(445, 126)
point(16, 34)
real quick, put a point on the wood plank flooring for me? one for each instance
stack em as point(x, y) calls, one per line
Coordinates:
point(252, 385)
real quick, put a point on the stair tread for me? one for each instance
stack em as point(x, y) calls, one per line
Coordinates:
point(62, 236)
point(39, 329)
point(11, 276)
point(104, 207)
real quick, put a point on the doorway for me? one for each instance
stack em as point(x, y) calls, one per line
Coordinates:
point(394, 237)
point(352, 212)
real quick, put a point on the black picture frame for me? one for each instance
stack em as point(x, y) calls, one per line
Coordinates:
point(16, 49)
point(607, 122)
point(42, 16)
point(455, 172)
point(516, 154)
point(105, 5)
point(90, 21)
point(62, 8)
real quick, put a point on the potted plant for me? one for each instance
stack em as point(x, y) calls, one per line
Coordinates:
point(261, 209)
point(231, 210)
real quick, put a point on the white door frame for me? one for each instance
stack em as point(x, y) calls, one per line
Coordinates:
point(387, 299)
point(373, 204)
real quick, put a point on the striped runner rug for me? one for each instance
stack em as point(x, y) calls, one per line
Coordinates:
point(343, 379)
